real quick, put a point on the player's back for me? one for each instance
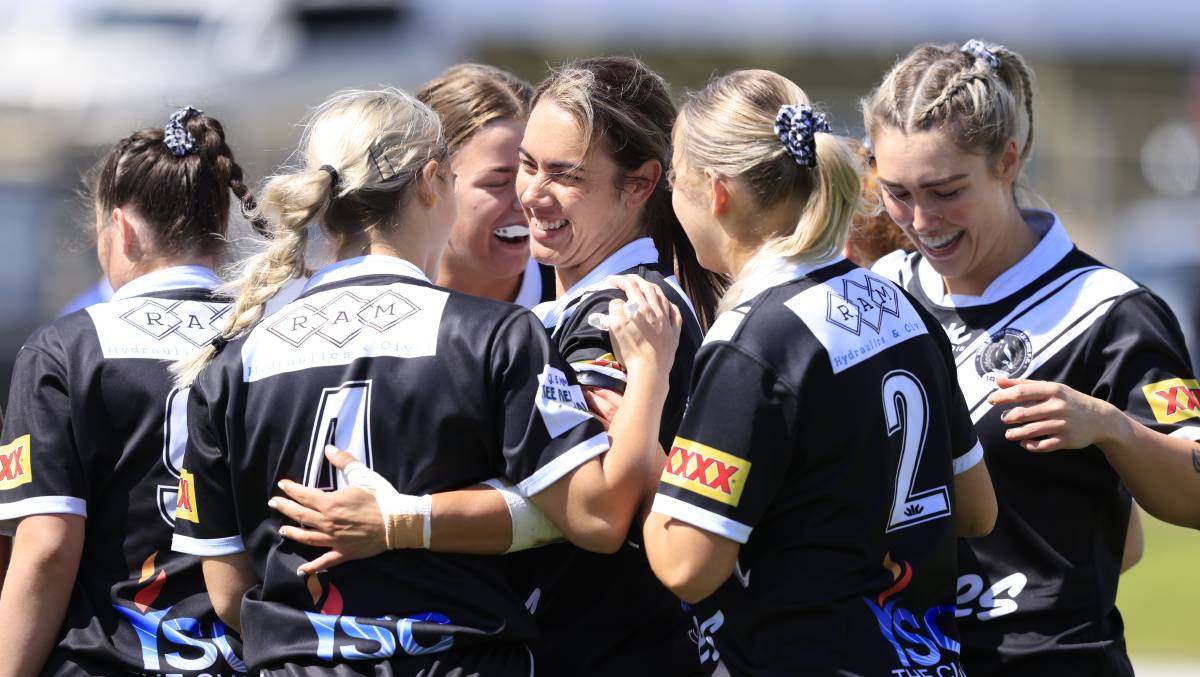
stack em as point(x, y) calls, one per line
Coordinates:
point(835, 394)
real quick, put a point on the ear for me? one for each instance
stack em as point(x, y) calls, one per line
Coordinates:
point(718, 193)
point(129, 239)
point(426, 191)
point(1010, 162)
point(641, 183)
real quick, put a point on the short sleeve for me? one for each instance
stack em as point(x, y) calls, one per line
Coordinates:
point(733, 448)
point(587, 349)
point(41, 471)
point(547, 429)
point(965, 447)
point(205, 516)
point(1143, 366)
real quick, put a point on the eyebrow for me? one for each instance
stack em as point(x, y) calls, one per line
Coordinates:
point(556, 167)
point(927, 184)
point(500, 169)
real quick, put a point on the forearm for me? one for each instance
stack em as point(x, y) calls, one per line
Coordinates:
point(632, 464)
point(37, 589)
point(472, 521)
point(1162, 472)
point(227, 578)
point(691, 563)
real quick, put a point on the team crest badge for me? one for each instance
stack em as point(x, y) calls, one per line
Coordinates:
point(1006, 353)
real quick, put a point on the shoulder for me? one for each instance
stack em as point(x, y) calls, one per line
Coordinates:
point(897, 266)
point(61, 338)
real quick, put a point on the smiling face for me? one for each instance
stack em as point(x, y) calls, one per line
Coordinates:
point(955, 208)
point(577, 215)
point(490, 239)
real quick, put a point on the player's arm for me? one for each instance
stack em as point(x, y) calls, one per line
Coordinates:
point(1161, 471)
point(227, 578)
point(1135, 540)
point(690, 562)
point(974, 502)
point(37, 588)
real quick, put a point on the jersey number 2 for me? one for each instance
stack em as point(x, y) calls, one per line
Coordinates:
point(906, 410)
point(343, 420)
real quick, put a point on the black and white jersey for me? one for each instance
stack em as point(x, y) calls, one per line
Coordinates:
point(95, 428)
point(537, 285)
point(1038, 593)
point(433, 389)
point(823, 434)
point(608, 614)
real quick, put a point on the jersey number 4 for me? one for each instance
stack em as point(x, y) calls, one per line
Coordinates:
point(906, 410)
point(343, 417)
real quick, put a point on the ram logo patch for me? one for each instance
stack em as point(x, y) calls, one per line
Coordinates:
point(706, 471)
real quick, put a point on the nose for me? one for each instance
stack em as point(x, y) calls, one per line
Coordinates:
point(534, 191)
point(923, 219)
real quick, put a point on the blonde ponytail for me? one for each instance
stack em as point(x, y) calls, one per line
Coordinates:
point(361, 151)
point(729, 126)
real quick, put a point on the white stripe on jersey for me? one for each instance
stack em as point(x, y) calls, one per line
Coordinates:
point(1187, 432)
point(39, 505)
point(856, 316)
point(568, 461)
point(725, 326)
point(340, 325)
point(700, 518)
point(154, 328)
point(968, 460)
point(1051, 321)
point(207, 547)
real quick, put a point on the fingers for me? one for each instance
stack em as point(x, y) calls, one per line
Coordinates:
point(1052, 408)
point(340, 459)
point(1052, 443)
point(307, 537)
point(1006, 382)
point(1022, 391)
point(1035, 429)
point(298, 513)
point(325, 561)
point(305, 496)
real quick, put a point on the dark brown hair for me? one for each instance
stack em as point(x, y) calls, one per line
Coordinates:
point(626, 107)
point(184, 200)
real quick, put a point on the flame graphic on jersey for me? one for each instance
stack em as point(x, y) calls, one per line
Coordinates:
point(332, 605)
point(901, 574)
point(146, 596)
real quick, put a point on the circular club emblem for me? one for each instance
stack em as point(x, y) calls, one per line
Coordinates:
point(1006, 353)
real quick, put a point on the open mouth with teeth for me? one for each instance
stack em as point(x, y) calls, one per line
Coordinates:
point(942, 243)
point(515, 234)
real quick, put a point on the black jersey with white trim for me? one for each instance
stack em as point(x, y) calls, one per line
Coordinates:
point(433, 389)
point(537, 285)
point(823, 433)
point(608, 614)
point(95, 428)
point(1038, 594)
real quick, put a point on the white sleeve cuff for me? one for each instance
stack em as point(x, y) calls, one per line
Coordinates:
point(207, 547)
point(701, 518)
point(968, 460)
point(568, 461)
point(1189, 432)
point(43, 505)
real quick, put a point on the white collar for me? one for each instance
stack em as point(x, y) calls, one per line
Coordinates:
point(362, 266)
point(639, 252)
point(175, 277)
point(1053, 245)
point(530, 292)
point(771, 270)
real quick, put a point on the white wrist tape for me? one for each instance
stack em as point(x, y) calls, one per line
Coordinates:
point(530, 526)
point(400, 512)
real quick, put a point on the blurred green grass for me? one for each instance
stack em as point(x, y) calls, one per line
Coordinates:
point(1160, 596)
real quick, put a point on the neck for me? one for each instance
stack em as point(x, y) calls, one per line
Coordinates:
point(745, 236)
point(476, 282)
point(147, 266)
point(1008, 252)
point(401, 242)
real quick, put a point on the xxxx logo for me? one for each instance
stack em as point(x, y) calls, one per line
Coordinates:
point(1173, 400)
point(185, 509)
point(15, 468)
point(707, 471)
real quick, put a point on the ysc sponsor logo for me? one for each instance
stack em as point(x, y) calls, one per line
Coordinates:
point(707, 471)
point(922, 649)
point(15, 466)
point(175, 644)
point(1173, 400)
point(354, 638)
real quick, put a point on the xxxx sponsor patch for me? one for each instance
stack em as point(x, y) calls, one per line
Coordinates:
point(1173, 400)
point(707, 471)
point(15, 465)
point(186, 508)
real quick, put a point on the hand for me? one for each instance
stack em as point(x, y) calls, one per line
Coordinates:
point(1051, 416)
point(647, 341)
point(346, 521)
point(603, 403)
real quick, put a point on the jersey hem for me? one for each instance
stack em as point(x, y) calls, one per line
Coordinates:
point(563, 464)
point(701, 518)
point(207, 547)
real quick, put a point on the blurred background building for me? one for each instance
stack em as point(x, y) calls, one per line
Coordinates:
point(1116, 153)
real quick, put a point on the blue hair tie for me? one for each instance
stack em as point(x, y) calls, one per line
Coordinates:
point(796, 125)
point(979, 50)
point(176, 135)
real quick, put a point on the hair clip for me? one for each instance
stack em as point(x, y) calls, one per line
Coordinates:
point(979, 50)
point(176, 135)
point(333, 175)
point(796, 125)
